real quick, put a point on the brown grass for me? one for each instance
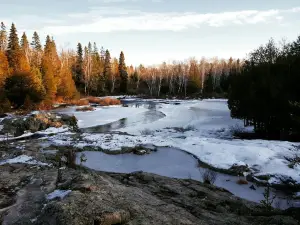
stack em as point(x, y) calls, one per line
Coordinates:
point(85, 109)
point(242, 182)
point(56, 124)
point(104, 101)
point(80, 102)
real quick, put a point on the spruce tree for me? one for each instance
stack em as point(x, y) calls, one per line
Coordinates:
point(208, 84)
point(123, 73)
point(37, 51)
point(36, 43)
point(3, 38)
point(25, 47)
point(107, 69)
point(13, 49)
point(79, 73)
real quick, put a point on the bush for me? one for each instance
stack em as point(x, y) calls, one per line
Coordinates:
point(80, 102)
point(242, 182)
point(104, 101)
point(268, 199)
point(20, 85)
point(85, 109)
point(5, 105)
point(209, 176)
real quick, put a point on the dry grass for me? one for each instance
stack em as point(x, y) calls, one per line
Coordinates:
point(209, 176)
point(56, 124)
point(80, 102)
point(104, 101)
point(242, 182)
point(85, 109)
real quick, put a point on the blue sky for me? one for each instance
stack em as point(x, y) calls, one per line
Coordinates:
point(152, 31)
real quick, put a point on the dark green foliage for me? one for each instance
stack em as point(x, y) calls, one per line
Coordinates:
point(36, 43)
point(21, 85)
point(107, 67)
point(208, 87)
point(78, 70)
point(266, 92)
point(123, 74)
point(13, 48)
point(268, 199)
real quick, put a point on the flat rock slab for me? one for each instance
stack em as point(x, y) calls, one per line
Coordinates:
point(107, 198)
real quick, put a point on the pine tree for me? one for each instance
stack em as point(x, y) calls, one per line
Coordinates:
point(123, 73)
point(36, 43)
point(107, 69)
point(79, 72)
point(25, 47)
point(37, 51)
point(3, 38)
point(13, 49)
point(208, 83)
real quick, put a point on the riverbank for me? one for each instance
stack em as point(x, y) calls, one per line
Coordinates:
point(43, 194)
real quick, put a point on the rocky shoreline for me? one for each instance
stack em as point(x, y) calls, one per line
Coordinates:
point(110, 198)
point(44, 189)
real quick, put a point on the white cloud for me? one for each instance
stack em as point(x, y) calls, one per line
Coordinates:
point(114, 19)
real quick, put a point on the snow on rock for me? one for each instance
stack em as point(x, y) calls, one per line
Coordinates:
point(9, 138)
point(23, 159)
point(54, 130)
point(58, 194)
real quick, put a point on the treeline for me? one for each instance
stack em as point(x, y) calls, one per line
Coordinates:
point(266, 92)
point(34, 75)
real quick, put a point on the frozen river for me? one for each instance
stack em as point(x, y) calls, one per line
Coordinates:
point(201, 128)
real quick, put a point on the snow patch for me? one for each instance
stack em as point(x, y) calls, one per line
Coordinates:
point(23, 159)
point(61, 194)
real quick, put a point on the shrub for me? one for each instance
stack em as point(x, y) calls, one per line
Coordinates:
point(80, 102)
point(242, 182)
point(20, 85)
point(209, 176)
point(104, 101)
point(85, 109)
point(5, 105)
point(268, 199)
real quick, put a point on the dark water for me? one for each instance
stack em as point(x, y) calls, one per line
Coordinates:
point(175, 163)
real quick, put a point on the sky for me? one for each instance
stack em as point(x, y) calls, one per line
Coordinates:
point(153, 31)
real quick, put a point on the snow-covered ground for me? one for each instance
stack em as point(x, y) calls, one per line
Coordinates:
point(207, 135)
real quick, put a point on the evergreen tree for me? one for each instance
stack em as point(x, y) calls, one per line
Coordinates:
point(37, 51)
point(107, 73)
point(224, 81)
point(13, 49)
point(36, 43)
point(79, 73)
point(25, 47)
point(208, 88)
point(123, 73)
point(3, 38)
